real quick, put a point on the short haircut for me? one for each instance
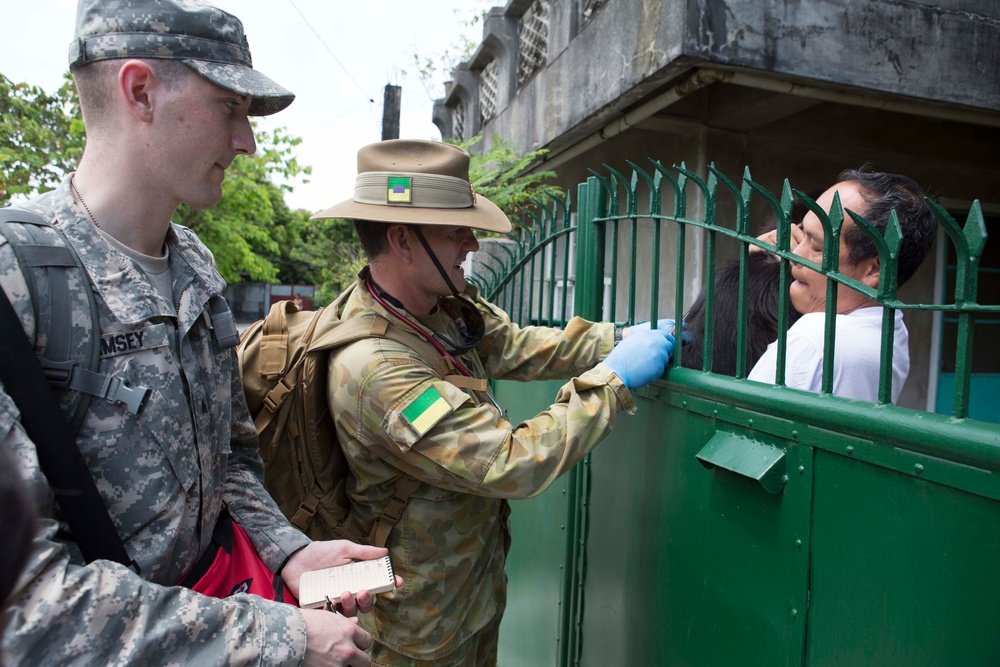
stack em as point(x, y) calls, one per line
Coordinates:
point(884, 193)
point(372, 236)
point(95, 82)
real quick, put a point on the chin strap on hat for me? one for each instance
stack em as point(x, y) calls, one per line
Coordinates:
point(437, 263)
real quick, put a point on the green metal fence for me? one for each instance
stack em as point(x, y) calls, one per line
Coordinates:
point(731, 518)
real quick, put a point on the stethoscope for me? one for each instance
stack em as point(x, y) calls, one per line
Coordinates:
point(386, 300)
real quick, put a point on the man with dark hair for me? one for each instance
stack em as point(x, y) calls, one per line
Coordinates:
point(166, 88)
point(872, 195)
point(422, 416)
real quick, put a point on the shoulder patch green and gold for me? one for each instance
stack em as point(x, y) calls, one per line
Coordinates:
point(426, 410)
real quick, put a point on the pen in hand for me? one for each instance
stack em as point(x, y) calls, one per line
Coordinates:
point(330, 605)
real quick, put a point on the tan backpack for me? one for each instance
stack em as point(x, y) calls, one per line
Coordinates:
point(283, 360)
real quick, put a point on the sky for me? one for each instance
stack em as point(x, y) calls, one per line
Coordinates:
point(335, 55)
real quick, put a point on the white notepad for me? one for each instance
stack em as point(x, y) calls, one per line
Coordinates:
point(375, 576)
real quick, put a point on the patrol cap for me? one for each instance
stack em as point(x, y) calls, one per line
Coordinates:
point(205, 38)
point(417, 182)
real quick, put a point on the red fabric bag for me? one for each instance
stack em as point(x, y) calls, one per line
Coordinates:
point(234, 566)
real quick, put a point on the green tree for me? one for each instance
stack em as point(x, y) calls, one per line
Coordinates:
point(501, 175)
point(41, 137)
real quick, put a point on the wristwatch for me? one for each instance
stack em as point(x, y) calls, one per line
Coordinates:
point(618, 334)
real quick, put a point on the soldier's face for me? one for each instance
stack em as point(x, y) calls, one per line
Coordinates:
point(451, 245)
point(203, 127)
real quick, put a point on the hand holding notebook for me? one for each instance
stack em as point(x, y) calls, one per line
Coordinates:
point(316, 586)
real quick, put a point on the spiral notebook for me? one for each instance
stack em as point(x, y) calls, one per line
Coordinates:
point(374, 576)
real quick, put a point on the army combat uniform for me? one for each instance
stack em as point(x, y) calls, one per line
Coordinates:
point(164, 475)
point(396, 416)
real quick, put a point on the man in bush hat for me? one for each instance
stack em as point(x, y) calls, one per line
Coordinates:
point(424, 436)
point(166, 88)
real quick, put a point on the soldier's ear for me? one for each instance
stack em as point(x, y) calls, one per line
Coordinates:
point(135, 81)
point(400, 242)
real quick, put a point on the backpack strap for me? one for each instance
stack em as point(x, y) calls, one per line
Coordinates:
point(58, 456)
point(405, 486)
point(49, 251)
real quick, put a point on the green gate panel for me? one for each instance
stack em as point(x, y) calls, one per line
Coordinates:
point(531, 628)
point(905, 571)
point(688, 565)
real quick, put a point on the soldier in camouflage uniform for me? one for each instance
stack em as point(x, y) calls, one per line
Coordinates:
point(397, 419)
point(166, 87)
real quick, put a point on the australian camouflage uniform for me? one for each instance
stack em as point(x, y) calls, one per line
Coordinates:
point(396, 417)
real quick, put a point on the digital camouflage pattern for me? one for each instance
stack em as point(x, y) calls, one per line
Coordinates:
point(450, 546)
point(163, 474)
point(207, 39)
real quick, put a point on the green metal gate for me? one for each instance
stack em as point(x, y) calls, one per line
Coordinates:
point(731, 522)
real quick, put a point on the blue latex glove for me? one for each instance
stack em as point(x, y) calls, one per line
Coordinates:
point(642, 357)
point(665, 325)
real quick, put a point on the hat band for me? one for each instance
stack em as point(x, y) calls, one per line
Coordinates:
point(156, 45)
point(412, 189)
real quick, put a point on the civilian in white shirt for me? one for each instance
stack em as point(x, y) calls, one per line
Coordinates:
point(873, 196)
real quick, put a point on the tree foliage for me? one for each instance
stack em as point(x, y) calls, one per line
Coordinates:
point(502, 176)
point(41, 137)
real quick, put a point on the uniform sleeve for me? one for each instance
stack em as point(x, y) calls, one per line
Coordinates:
point(510, 352)
point(245, 496)
point(402, 414)
point(103, 613)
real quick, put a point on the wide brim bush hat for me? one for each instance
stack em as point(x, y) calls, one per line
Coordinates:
point(205, 38)
point(417, 182)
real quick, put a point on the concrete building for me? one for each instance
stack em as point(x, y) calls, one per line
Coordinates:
point(797, 89)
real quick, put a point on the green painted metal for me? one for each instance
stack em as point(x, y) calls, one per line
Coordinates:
point(731, 521)
point(744, 456)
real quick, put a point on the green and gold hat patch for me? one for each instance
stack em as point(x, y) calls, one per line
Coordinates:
point(399, 190)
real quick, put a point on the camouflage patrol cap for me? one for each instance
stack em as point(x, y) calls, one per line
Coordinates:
point(205, 38)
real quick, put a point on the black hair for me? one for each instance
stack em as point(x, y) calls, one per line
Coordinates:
point(372, 236)
point(763, 272)
point(884, 193)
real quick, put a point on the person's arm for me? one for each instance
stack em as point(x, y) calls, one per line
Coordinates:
point(63, 612)
point(510, 352)
point(244, 494)
point(402, 413)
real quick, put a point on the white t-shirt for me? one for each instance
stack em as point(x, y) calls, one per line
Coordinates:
point(856, 355)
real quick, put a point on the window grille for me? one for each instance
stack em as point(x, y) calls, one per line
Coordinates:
point(590, 7)
point(488, 93)
point(534, 40)
point(458, 121)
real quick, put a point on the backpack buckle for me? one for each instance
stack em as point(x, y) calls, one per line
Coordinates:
point(58, 373)
point(133, 398)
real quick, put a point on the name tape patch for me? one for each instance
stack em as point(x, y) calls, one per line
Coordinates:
point(124, 342)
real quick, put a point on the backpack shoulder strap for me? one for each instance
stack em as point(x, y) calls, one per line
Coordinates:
point(46, 257)
point(58, 456)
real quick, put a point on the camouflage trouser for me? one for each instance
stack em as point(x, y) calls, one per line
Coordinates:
point(480, 650)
